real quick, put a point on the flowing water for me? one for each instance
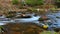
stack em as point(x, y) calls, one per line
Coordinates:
point(54, 16)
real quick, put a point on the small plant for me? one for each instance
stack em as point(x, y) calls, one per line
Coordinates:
point(15, 1)
point(1, 29)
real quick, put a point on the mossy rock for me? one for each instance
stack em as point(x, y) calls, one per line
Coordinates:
point(57, 17)
point(40, 19)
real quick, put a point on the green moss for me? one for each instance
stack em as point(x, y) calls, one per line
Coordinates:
point(34, 2)
point(15, 1)
point(48, 32)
